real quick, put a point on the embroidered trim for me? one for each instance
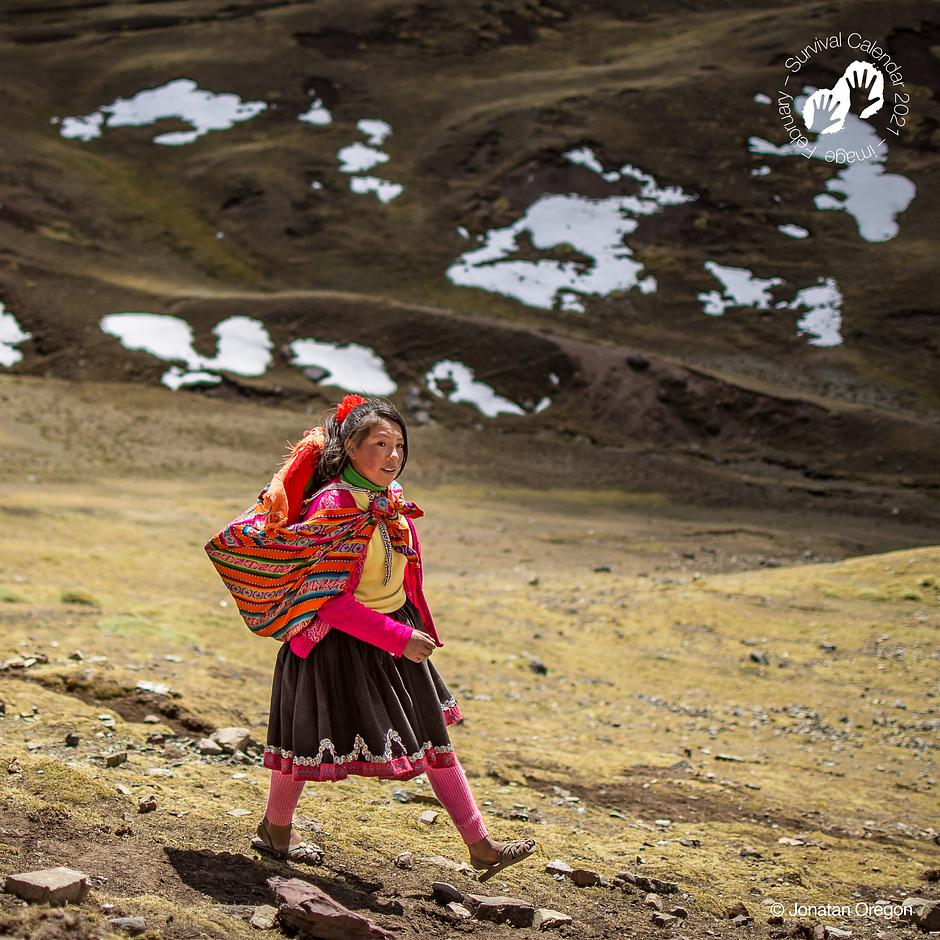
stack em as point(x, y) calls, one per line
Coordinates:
point(360, 752)
point(387, 542)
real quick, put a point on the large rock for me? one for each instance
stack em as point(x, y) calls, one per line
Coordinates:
point(515, 911)
point(232, 739)
point(131, 925)
point(50, 885)
point(445, 893)
point(208, 746)
point(924, 913)
point(305, 907)
point(545, 917)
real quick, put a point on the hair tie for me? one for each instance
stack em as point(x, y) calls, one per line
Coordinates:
point(347, 405)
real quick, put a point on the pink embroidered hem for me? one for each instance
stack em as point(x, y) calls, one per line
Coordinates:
point(398, 768)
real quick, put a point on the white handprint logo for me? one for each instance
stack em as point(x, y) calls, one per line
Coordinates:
point(860, 90)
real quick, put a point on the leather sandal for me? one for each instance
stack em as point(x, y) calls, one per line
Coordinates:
point(509, 854)
point(308, 852)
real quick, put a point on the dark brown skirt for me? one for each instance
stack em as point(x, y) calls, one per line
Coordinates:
point(352, 708)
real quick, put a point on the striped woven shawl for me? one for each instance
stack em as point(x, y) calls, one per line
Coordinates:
point(280, 579)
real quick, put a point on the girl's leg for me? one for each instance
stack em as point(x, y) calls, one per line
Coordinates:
point(452, 790)
point(283, 794)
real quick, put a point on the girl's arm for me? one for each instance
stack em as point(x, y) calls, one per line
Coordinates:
point(351, 616)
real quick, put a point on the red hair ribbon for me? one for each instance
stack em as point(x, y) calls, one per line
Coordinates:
point(347, 405)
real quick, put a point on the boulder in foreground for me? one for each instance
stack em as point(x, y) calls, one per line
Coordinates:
point(50, 885)
point(306, 908)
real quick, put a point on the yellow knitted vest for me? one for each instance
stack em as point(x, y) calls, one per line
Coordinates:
point(371, 590)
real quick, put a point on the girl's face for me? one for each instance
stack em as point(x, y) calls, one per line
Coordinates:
point(379, 455)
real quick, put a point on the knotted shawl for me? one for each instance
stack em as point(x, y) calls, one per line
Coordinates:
point(280, 570)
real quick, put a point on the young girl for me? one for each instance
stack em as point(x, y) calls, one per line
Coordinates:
point(354, 690)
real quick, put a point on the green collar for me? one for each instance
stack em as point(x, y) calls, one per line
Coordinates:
point(353, 478)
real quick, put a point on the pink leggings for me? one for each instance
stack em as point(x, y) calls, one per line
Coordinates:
point(448, 783)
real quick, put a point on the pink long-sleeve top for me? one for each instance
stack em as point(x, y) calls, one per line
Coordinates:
point(345, 613)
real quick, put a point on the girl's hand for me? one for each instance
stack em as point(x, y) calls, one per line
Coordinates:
point(419, 646)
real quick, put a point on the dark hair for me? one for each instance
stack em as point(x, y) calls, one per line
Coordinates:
point(354, 428)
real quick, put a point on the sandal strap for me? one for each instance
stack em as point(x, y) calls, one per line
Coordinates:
point(518, 848)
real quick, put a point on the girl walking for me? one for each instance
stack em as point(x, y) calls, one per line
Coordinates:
point(329, 562)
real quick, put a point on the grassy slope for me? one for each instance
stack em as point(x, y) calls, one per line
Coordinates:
point(643, 670)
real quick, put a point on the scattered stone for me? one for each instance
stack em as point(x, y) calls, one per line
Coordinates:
point(442, 862)
point(49, 886)
point(557, 867)
point(264, 917)
point(645, 883)
point(775, 920)
point(741, 920)
point(405, 860)
point(428, 816)
point(157, 688)
point(401, 795)
point(208, 746)
point(750, 853)
point(232, 739)
point(837, 933)
point(131, 925)
point(545, 917)
point(661, 919)
point(788, 840)
point(72, 739)
point(736, 910)
point(123, 788)
point(638, 362)
point(585, 877)
point(158, 772)
point(146, 804)
point(77, 655)
point(923, 913)
point(514, 911)
point(828, 647)
point(152, 719)
point(759, 657)
point(599, 569)
point(458, 910)
point(13, 767)
point(304, 907)
point(731, 757)
point(239, 812)
point(113, 760)
point(654, 901)
point(445, 893)
point(3, 708)
point(679, 912)
point(537, 666)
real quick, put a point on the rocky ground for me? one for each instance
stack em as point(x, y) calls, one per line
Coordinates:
point(741, 704)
